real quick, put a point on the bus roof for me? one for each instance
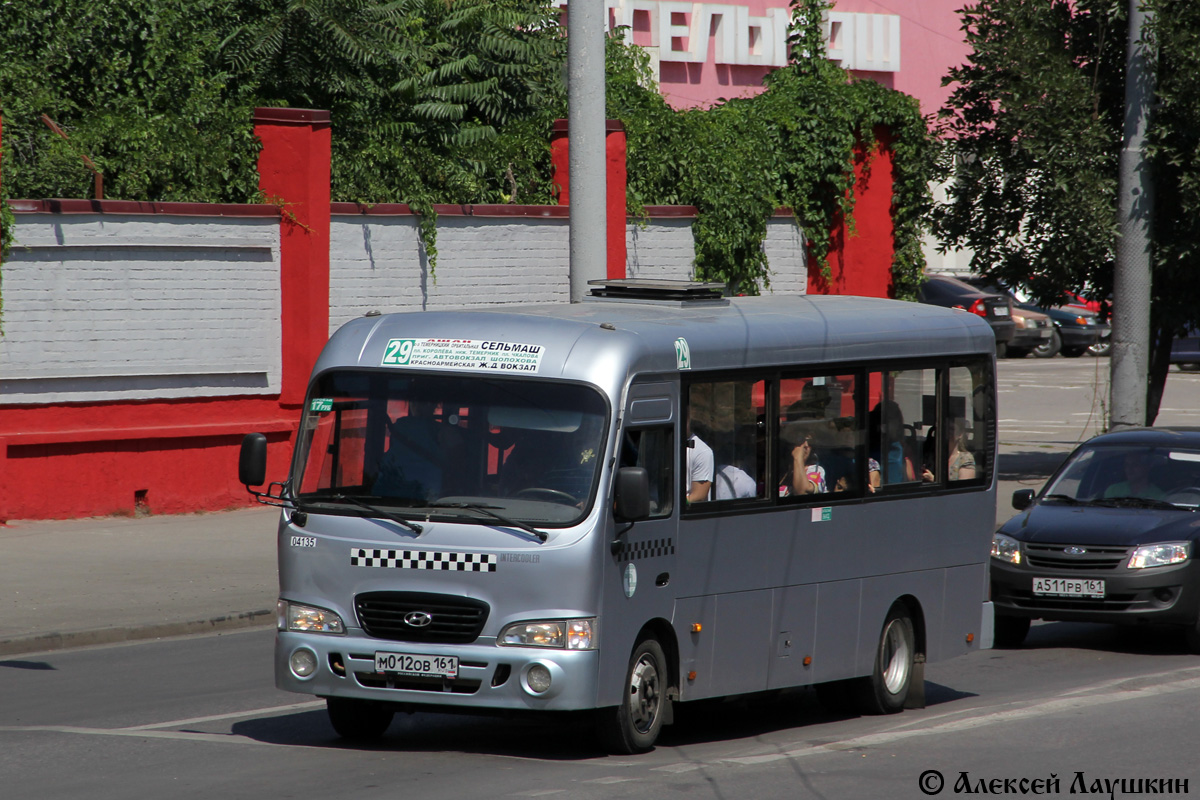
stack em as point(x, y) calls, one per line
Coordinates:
point(729, 333)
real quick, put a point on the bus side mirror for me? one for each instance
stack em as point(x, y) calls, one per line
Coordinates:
point(252, 463)
point(631, 494)
point(1022, 499)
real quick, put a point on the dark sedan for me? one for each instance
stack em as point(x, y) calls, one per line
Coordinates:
point(996, 309)
point(1113, 537)
point(1185, 350)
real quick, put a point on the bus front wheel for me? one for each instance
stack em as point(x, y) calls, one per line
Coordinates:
point(358, 720)
point(885, 691)
point(634, 725)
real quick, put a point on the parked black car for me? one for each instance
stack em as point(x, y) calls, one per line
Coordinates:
point(942, 290)
point(1113, 537)
point(1075, 329)
point(1185, 350)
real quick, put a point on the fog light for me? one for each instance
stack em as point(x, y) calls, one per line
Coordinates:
point(303, 663)
point(538, 679)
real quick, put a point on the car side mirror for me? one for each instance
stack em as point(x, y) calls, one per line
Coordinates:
point(252, 462)
point(631, 494)
point(1022, 499)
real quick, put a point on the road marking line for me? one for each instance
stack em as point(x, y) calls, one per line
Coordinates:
point(224, 738)
point(257, 712)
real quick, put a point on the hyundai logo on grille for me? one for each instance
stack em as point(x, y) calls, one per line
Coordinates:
point(1074, 551)
point(418, 619)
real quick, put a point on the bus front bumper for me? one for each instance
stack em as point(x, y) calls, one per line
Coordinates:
point(489, 676)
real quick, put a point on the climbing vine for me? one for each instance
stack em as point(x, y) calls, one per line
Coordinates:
point(435, 102)
point(793, 145)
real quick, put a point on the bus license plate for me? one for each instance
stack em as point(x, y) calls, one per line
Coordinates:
point(1068, 587)
point(417, 666)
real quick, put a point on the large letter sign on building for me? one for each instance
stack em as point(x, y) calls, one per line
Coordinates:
point(686, 32)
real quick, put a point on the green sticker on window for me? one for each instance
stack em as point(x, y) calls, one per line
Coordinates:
point(321, 404)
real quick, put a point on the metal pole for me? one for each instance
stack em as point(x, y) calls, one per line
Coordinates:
point(585, 121)
point(1131, 282)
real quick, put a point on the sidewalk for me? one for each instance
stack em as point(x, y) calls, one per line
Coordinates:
point(73, 583)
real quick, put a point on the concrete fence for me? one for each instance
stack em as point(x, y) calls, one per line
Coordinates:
point(141, 341)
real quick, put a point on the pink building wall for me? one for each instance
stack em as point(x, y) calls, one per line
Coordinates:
point(709, 51)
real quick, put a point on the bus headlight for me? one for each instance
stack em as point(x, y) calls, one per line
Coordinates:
point(1006, 548)
point(306, 619)
point(1159, 555)
point(563, 634)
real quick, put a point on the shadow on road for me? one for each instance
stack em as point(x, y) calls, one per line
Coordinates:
point(569, 738)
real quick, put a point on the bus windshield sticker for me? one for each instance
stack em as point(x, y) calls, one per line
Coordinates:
point(683, 354)
point(822, 514)
point(319, 404)
point(476, 355)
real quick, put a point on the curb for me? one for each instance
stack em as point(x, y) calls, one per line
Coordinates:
point(45, 642)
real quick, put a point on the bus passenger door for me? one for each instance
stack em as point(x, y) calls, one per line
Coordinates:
point(638, 574)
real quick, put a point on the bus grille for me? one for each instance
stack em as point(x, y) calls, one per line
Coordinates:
point(453, 619)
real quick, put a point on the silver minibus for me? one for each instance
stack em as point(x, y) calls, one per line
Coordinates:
point(655, 496)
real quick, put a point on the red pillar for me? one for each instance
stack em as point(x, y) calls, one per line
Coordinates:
point(860, 263)
point(615, 180)
point(293, 173)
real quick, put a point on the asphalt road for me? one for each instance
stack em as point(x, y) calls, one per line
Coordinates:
point(199, 716)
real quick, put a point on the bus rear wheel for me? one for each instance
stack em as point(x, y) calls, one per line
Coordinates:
point(358, 720)
point(886, 690)
point(634, 725)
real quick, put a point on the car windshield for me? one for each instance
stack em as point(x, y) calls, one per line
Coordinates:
point(473, 449)
point(1129, 474)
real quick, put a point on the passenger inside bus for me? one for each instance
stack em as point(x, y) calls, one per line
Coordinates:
point(700, 468)
point(893, 464)
point(803, 473)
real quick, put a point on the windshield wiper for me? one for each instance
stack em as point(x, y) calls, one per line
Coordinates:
point(488, 510)
point(1063, 498)
point(1135, 502)
point(381, 512)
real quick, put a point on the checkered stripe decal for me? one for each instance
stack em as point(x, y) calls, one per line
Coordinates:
point(651, 548)
point(423, 559)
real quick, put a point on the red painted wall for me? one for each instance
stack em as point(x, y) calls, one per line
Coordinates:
point(172, 456)
point(615, 183)
point(860, 262)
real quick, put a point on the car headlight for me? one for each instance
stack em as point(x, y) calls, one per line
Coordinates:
point(1159, 555)
point(564, 634)
point(1006, 548)
point(306, 619)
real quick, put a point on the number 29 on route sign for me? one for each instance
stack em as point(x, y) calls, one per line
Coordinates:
point(398, 351)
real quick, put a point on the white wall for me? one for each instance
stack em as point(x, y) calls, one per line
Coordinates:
point(376, 262)
point(117, 307)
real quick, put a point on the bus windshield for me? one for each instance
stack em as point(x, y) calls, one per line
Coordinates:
point(514, 449)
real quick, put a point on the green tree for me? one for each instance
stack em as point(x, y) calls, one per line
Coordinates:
point(1032, 137)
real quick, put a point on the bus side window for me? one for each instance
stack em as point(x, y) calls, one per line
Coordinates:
point(653, 449)
point(723, 426)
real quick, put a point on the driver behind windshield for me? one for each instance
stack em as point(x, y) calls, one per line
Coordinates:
point(420, 449)
point(1137, 481)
